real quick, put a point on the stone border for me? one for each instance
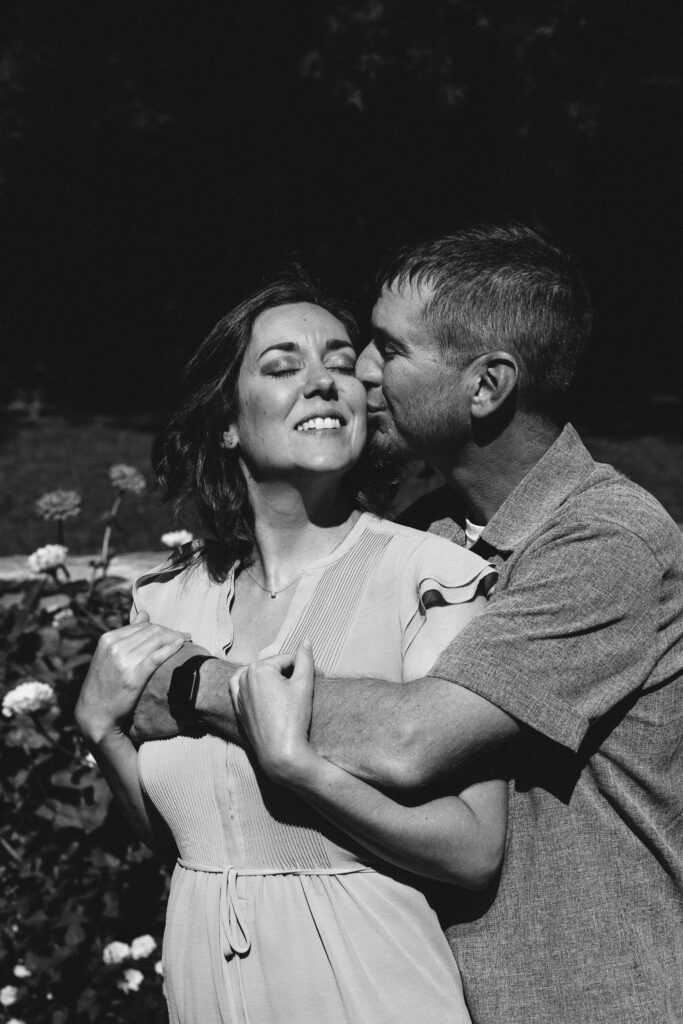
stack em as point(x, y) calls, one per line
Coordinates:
point(129, 565)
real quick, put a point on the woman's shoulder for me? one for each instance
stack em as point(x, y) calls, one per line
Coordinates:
point(415, 563)
point(184, 569)
point(423, 546)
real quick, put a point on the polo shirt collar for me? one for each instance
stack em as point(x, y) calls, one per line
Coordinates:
point(544, 488)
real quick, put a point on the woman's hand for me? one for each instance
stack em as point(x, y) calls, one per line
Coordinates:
point(121, 665)
point(273, 700)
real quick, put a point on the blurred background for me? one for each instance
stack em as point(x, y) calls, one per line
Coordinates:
point(157, 159)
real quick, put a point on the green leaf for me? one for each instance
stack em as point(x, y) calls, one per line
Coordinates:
point(74, 934)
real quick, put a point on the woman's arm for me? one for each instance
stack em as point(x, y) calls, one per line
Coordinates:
point(458, 839)
point(121, 665)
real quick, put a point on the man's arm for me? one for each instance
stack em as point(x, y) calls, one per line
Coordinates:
point(396, 735)
point(152, 718)
point(405, 736)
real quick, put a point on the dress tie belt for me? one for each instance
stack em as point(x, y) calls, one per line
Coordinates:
point(234, 935)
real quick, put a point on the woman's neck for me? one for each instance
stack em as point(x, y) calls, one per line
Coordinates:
point(294, 528)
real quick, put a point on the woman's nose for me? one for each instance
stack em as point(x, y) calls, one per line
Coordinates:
point(320, 381)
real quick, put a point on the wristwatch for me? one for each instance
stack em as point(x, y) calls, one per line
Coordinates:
point(182, 693)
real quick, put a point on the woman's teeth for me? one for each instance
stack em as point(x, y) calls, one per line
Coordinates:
point(320, 423)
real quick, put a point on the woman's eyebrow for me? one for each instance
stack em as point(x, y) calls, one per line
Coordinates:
point(332, 344)
point(335, 343)
point(280, 346)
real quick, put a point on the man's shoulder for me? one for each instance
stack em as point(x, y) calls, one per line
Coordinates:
point(613, 502)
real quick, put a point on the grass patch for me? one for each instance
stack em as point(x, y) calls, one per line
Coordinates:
point(56, 453)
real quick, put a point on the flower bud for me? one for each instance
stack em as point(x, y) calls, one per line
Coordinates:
point(115, 952)
point(46, 558)
point(141, 947)
point(30, 696)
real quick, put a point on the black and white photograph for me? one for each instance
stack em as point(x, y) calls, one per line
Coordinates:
point(341, 506)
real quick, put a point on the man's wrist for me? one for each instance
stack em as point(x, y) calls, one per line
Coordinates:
point(214, 703)
point(184, 688)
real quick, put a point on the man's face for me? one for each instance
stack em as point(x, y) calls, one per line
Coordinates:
point(416, 404)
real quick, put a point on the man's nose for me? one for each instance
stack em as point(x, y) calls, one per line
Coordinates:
point(369, 366)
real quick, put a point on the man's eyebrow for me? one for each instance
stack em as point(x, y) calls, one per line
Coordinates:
point(332, 344)
point(384, 335)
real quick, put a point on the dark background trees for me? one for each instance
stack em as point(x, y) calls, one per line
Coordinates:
point(157, 158)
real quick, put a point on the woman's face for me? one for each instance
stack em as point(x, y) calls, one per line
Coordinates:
point(301, 408)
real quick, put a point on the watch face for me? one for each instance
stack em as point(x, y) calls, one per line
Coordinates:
point(182, 693)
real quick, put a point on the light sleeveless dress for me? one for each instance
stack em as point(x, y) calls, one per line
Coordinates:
point(274, 916)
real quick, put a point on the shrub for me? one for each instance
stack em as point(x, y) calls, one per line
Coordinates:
point(73, 877)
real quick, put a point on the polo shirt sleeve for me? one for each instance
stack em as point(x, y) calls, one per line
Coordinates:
point(568, 635)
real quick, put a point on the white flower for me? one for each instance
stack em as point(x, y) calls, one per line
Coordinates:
point(127, 478)
point(63, 616)
point(55, 603)
point(159, 968)
point(9, 995)
point(131, 980)
point(58, 505)
point(21, 971)
point(48, 557)
point(141, 947)
point(176, 538)
point(115, 953)
point(27, 697)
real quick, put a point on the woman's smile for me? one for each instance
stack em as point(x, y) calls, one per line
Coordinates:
point(320, 423)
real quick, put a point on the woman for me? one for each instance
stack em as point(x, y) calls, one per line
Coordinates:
point(285, 909)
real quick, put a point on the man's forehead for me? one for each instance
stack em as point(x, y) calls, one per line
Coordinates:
point(401, 303)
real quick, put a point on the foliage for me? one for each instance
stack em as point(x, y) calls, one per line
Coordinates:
point(72, 876)
point(169, 154)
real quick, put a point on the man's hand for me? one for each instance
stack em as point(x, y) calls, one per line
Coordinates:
point(152, 719)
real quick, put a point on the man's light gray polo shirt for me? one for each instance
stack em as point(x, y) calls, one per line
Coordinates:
point(583, 642)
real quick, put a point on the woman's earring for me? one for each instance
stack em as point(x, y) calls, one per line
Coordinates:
point(229, 439)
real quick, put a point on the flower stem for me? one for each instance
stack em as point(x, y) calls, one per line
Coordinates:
point(11, 851)
point(105, 557)
point(53, 743)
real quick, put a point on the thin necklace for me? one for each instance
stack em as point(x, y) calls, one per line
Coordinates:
point(269, 590)
point(275, 593)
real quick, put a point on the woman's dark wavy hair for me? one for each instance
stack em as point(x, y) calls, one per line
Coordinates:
point(188, 457)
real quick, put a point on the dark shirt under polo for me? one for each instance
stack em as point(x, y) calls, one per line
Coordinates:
point(582, 642)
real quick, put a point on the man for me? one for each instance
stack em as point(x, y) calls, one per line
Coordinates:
point(574, 670)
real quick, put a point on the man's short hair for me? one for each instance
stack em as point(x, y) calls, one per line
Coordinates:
point(504, 288)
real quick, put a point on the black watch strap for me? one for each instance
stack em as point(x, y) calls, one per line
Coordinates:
point(182, 693)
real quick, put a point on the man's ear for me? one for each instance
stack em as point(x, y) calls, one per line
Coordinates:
point(230, 438)
point(496, 375)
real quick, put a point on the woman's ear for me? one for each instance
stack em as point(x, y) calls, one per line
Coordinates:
point(497, 375)
point(229, 438)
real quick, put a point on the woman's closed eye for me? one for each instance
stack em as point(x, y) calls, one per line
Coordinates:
point(349, 368)
point(285, 371)
point(289, 371)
